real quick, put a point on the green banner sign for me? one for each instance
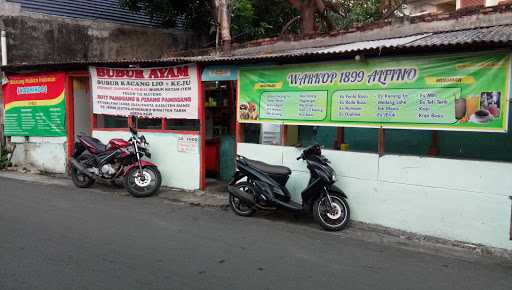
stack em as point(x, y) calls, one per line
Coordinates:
point(448, 92)
point(35, 105)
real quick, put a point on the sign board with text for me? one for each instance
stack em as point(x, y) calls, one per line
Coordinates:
point(35, 105)
point(163, 92)
point(188, 143)
point(446, 92)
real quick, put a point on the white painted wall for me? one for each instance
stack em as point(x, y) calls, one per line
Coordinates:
point(47, 154)
point(179, 170)
point(460, 200)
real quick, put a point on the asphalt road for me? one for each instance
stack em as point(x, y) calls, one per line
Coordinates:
point(55, 237)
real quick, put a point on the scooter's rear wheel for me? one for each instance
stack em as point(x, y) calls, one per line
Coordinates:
point(332, 219)
point(237, 205)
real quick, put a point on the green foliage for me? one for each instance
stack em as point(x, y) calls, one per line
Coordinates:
point(356, 12)
point(253, 19)
point(4, 159)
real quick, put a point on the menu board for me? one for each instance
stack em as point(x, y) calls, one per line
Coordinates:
point(396, 105)
point(35, 105)
point(446, 92)
point(307, 105)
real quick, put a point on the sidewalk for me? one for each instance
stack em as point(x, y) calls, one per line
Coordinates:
point(356, 230)
point(196, 198)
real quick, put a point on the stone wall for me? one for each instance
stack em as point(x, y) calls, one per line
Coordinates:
point(38, 38)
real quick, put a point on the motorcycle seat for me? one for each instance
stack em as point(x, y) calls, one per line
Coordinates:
point(269, 169)
point(97, 144)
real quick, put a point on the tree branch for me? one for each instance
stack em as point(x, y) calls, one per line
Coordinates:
point(288, 24)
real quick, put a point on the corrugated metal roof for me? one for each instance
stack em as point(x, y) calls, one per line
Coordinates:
point(108, 10)
point(497, 34)
point(501, 34)
point(381, 43)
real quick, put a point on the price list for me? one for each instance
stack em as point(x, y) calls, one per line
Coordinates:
point(36, 121)
point(432, 106)
point(306, 105)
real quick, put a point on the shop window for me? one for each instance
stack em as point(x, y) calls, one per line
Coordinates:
point(361, 139)
point(119, 122)
point(349, 139)
point(325, 136)
point(443, 144)
point(108, 121)
point(476, 145)
point(354, 139)
point(408, 142)
point(251, 133)
point(450, 144)
point(148, 124)
point(182, 124)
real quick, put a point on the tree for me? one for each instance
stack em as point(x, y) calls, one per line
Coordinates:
point(223, 19)
point(328, 15)
point(251, 19)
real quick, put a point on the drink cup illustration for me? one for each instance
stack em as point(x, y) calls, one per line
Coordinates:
point(460, 108)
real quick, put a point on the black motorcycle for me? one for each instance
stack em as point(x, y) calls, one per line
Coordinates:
point(257, 185)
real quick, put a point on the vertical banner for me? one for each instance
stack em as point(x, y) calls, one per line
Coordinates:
point(467, 92)
point(163, 92)
point(35, 105)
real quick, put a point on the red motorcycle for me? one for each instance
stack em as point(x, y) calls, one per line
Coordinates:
point(93, 160)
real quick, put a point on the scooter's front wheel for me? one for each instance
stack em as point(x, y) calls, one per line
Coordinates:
point(335, 218)
point(237, 205)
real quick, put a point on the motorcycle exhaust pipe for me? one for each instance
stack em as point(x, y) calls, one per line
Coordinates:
point(244, 196)
point(80, 168)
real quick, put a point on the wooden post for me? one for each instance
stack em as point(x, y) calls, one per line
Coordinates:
point(434, 147)
point(340, 137)
point(382, 139)
point(284, 135)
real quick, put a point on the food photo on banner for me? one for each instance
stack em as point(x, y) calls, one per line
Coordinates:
point(163, 92)
point(35, 105)
point(446, 92)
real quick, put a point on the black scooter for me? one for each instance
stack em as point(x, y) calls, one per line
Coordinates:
point(257, 185)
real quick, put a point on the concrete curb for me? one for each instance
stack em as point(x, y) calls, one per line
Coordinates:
point(357, 230)
point(195, 198)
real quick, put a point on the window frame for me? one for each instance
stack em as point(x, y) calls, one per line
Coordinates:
point(132, 123)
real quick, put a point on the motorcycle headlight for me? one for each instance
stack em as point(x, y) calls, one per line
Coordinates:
point(333, 176)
